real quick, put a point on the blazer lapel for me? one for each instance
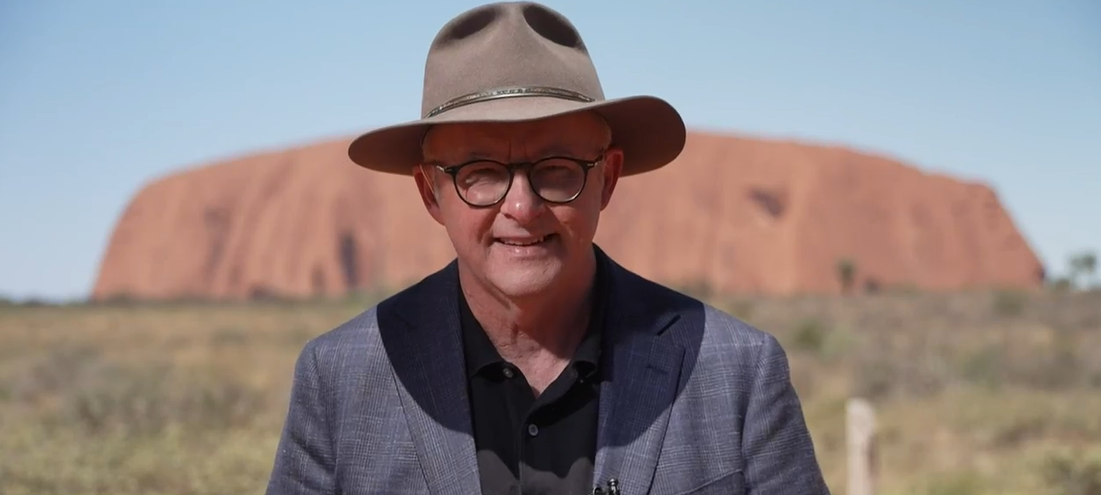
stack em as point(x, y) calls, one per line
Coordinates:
point(420, 329)
point(635, 399)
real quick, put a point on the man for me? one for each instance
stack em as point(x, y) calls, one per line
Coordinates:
point(534, 363)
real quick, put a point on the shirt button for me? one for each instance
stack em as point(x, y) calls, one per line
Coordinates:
point(508, 372)
point(533, 430)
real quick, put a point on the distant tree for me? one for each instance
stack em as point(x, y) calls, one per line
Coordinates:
point(1062, 284)
point(1082, 266)
point(1089, 265)
point(872, 286)
point(846, 273)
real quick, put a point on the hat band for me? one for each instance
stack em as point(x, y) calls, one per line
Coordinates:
point(471, 98)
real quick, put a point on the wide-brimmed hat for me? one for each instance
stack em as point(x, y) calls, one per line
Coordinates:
point(516, 61)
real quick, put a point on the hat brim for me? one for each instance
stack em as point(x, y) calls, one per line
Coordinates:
point(649, 130)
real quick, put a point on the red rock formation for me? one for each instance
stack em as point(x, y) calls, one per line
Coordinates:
point(739, 215)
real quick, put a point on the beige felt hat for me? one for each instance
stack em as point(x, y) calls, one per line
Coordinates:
point(515, 61)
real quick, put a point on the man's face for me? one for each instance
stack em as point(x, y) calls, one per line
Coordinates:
point(523, 244)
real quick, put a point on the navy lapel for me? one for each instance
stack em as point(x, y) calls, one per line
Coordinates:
point(420, 329)
point(645, 367)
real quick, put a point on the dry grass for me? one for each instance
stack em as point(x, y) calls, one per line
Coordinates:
point(977, 393)
point(986, 392)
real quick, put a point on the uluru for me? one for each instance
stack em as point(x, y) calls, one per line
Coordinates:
point(734, 214)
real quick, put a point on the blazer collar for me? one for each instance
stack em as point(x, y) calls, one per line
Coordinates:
point(419, 328)
point(645, 360)
point(421, 332)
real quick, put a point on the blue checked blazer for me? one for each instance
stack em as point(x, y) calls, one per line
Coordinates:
point(698, 402)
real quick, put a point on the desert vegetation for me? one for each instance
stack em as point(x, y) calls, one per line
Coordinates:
point(986, 392)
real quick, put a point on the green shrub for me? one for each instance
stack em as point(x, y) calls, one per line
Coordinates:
point(1073, 475)
point(809, 336)
point(1009, 303)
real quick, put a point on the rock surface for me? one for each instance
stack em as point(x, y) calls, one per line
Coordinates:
point(732, 214)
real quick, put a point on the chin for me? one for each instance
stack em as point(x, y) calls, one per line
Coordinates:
point(523, 279)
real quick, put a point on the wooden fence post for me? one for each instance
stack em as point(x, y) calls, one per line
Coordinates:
point(860, 429)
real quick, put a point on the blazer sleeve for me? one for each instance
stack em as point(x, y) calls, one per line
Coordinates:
point(304, 461)
point(779, 453)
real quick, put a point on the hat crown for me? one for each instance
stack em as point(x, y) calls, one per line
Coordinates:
point(504, 46)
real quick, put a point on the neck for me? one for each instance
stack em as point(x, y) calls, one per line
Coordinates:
point(546, 325)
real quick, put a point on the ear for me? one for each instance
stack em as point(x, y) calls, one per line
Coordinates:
point(613, 167)
point(428, 192)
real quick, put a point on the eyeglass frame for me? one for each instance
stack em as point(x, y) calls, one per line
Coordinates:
point(586, 166)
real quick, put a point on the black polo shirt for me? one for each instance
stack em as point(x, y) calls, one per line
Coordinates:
point(526, 444)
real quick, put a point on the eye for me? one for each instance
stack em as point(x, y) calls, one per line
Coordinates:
point(557, 167)
point(481, 173)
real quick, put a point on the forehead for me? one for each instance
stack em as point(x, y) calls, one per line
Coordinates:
point(572, 133)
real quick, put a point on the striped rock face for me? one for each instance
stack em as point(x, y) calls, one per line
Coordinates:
point(731, 214)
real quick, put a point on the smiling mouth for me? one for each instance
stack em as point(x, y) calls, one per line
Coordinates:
point(531, 241)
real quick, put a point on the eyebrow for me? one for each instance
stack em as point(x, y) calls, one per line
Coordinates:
point(452, 159)
point(474, 153)
point(554, 150)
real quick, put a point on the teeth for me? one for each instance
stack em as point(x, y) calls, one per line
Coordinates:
point(532, 242)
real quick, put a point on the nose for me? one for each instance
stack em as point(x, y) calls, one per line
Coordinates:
point(521, 203)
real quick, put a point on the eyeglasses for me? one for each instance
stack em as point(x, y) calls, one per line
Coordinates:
point(556, 179)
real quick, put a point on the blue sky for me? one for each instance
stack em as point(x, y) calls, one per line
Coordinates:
point(99, 97)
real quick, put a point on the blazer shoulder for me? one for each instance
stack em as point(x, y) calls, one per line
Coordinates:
point(349, 332)
point(360, 333)
point(715, 325)
point(726, 327)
